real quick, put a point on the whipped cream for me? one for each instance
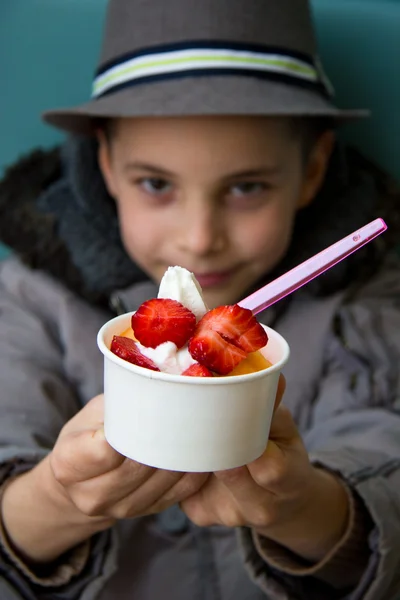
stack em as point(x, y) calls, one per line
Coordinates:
point(181, 285)
point(168, 358)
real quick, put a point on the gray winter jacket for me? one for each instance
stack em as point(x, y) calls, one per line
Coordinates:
point(343, 389)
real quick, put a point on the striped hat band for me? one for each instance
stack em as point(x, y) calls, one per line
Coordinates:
point(210, 58)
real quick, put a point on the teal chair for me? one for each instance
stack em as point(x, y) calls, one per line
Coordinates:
point(49, 49)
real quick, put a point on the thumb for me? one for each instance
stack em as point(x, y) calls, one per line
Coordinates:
point(99, 433)
point(280, 391)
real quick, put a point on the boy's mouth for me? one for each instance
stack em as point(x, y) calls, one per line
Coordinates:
point(212, 279)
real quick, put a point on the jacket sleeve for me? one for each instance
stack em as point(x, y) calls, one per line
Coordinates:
point(355, 433)
point(36, 400)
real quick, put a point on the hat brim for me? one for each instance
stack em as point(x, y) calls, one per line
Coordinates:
point(200, 96)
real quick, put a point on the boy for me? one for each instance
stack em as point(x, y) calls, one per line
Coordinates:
point(206, 161)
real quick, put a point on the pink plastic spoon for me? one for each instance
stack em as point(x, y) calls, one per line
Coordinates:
point(311, 268)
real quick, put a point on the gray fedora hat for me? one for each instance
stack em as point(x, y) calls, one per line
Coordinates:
point(205, 57)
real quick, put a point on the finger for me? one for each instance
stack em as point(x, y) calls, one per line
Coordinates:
point(91, 417)
point(82, 455)
point(280, 391)
point(267, 469)
point(248, 502)
point(270, 469)
point(243, 488)
point(187, 486)
point(203, 507)
point(95, 496)
point(283, 426)
point(148, 495)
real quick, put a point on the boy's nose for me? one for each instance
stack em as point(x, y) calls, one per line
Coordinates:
point(201, 230)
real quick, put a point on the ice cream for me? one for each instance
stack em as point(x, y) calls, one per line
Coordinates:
point(181, 285)
point(177, 334)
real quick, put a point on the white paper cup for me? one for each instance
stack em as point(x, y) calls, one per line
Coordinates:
point(195, 424)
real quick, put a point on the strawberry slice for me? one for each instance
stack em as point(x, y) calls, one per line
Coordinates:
point(224, 337)
point(211, 350)
point(163, 320)
point(197, 370)
point(126, 349)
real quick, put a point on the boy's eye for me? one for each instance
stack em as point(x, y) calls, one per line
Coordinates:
point(247, 188)
point(248, 195)
point(155, 186)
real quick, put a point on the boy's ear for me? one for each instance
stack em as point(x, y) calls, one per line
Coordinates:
point(316, 167)
point(104, 160)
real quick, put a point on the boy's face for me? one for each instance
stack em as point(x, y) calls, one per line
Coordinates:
point(215, 195)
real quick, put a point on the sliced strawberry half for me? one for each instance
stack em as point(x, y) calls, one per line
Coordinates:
point(197, 370)
point(126, 349)
point(224, 337)
point(211, 350)
point(163, 320)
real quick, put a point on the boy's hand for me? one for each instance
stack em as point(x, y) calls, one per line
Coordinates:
point(100, 482)
point(81, 488)
point(280, 495)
